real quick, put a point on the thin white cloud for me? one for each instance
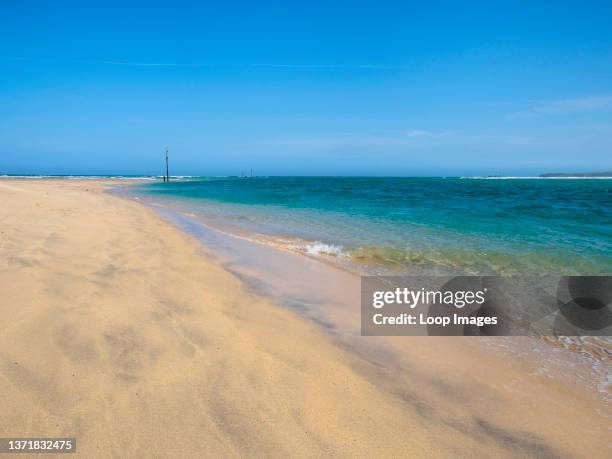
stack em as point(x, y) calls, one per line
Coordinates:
point(575, 104)
point(132, 64)
point(331, 66)
point(213, 65)
point(409, 138)
point(425, 133)
point(565, 106)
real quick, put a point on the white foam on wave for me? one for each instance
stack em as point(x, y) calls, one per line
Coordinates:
point(123, 177)
point(321, 248)
point(80, 177)
point(25, 176)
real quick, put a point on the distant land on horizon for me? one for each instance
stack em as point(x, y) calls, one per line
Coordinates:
point(606, 174)
point(572, 174)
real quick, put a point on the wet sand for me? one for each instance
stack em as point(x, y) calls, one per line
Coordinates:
point(123, 331)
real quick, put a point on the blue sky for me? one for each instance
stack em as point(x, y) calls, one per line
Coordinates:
point(309, 88)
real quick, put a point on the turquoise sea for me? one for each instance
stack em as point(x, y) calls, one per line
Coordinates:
point(410, 225)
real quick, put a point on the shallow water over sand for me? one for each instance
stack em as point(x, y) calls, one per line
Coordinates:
point(415, 225)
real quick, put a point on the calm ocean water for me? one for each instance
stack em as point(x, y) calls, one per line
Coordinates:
point(410, 225)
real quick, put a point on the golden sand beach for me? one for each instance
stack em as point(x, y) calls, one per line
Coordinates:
point(120, 330)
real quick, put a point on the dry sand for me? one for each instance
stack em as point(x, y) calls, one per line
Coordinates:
point(122, 331)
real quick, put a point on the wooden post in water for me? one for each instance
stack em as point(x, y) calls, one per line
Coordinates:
point(167, 174)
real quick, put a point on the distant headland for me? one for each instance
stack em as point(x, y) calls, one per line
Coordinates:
point(583, 175)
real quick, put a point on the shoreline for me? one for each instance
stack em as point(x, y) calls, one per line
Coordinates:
point(121, 310)
point(587, 357)
point(269, 268)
